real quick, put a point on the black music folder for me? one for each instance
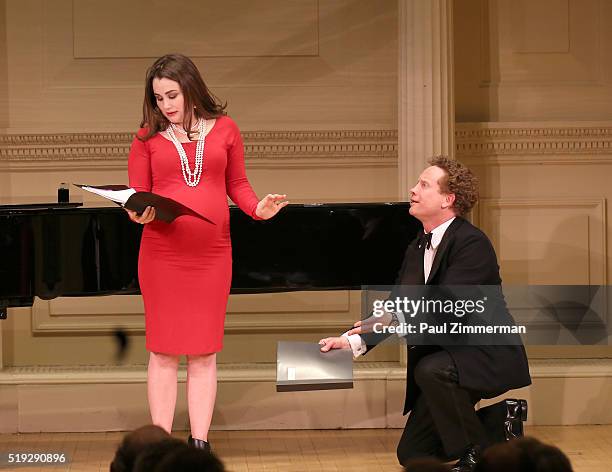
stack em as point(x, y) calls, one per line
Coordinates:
point(302, 366)
point(166, 209)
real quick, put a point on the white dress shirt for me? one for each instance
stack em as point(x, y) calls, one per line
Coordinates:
point(358, 346)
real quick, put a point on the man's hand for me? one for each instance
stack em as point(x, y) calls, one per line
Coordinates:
point(339, 342)
point(367, 325)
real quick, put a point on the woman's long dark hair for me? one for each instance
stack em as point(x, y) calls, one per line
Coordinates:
point(197, 98)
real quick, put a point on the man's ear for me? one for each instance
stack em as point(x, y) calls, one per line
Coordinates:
point(449, 200)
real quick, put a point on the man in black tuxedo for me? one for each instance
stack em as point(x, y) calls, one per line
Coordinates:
point(445, 382)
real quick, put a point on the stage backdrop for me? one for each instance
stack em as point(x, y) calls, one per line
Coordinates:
point(313, 84)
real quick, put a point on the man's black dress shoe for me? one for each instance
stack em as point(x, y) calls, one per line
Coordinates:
point(516, 414)
point(468, 461)
point(503, 420)
point(198, 443)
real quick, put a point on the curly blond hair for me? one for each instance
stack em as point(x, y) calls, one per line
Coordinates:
point(458, 180)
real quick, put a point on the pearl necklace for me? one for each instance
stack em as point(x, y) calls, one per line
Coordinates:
point(191, 178)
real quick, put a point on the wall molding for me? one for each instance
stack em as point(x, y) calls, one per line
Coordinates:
point(249, 372)
point(262, 148)
point(236, 372)
point(476, 144)
point(528, 142)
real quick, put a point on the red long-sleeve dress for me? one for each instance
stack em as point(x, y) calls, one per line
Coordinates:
point(185, 267)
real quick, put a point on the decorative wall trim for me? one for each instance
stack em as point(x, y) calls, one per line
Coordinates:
point(476, 144)
point(519, 143)
point(83, 146)
point(370, 147)
point(236, 372)
point(539, 368)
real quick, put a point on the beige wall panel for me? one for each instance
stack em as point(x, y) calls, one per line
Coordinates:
point(349, 83)
point(521, 61)
point(204, 28)
point(21, 347)
point(548, 242)
point(541, 45)
point(63, 412)
point(88, 314)
point(541, 27)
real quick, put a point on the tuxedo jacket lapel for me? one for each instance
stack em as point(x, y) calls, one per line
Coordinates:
point(413, 269)
point(443, 246)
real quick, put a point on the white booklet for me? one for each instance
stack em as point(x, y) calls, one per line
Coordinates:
point(118, 196)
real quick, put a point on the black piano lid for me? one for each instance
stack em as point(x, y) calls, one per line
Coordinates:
point(93, 250)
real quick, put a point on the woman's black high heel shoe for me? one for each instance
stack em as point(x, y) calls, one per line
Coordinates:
point(198, 444)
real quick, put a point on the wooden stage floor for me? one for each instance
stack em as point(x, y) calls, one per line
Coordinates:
point(588, 447)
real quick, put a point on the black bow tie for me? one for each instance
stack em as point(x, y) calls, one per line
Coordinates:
point(425, 239)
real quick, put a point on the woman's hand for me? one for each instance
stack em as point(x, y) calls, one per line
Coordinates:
point(270, 205)
point(147, 216)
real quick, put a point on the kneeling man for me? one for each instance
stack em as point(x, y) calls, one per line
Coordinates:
point(445, 382)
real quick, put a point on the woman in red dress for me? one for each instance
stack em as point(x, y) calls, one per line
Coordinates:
point(189, 150)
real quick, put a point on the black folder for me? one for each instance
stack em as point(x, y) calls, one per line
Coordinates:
point(166, 209)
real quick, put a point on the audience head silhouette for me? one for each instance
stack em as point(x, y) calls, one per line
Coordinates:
point(133, 444)
point(151, 456)
point(523, 455)
point(190, 460)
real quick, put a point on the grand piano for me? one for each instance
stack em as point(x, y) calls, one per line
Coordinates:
point(55, 250)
